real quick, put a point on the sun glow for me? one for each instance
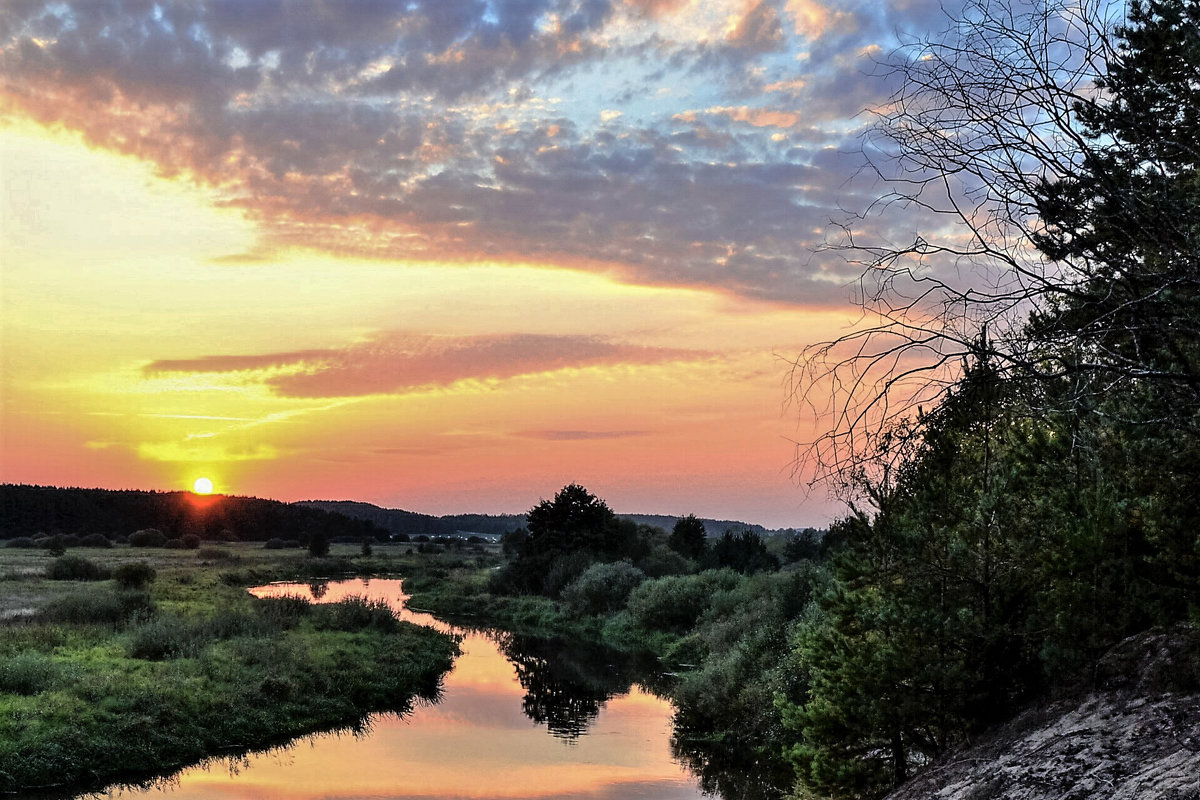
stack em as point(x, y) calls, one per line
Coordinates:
point(203, 486)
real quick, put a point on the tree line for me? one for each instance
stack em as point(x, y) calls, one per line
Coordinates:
point(28, 511)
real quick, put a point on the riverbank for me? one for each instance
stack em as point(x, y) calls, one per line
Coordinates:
point(721, 635)
point(1126, 732)
point(125, 677)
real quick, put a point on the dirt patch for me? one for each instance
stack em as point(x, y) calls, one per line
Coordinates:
point(1137, 737)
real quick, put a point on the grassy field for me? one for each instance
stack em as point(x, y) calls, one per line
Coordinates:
point(121, 679)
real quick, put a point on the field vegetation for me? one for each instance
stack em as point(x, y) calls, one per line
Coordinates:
point(120, 664)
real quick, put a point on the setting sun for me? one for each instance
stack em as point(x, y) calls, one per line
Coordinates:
point(202, 486)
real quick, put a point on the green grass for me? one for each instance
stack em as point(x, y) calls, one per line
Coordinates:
point(102, 684)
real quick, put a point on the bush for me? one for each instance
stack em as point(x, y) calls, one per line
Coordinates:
point(565, 569)
point(356, 614)
point(27, 673)
point(21, 541)
point(602, 588)
point(136, 575)
point(215, 554)
point(174, 544)
point(162, 637)
point(147, 537)
point(318, 544)
point(191, 541)
point(74, 568)
point(662, 561)
point(94, 608)
point(284, 612)
point(95, 540)
point(675, 603)
point(274, 544)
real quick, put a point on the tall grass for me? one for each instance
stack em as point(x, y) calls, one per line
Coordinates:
point(27, 673)
point(75, 568)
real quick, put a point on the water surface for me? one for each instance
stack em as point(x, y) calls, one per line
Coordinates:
point(517, 719)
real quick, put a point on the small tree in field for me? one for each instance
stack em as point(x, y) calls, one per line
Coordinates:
point(318, 544)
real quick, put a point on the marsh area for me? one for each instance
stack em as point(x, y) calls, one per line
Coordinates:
point(517, 717)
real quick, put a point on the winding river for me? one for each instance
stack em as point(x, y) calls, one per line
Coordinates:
point(517, 719)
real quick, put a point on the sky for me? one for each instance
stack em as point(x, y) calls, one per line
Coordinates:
point(440, 255)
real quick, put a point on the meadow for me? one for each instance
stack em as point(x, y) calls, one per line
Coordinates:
point(122, 664)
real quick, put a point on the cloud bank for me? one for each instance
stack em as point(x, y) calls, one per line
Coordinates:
point(397, 362)
point(668, 142)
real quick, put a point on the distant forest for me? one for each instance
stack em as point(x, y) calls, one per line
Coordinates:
point(33, 510)
point(29, 511)
point(411, 523)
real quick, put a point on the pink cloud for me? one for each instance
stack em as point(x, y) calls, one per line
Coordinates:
point(399, 362)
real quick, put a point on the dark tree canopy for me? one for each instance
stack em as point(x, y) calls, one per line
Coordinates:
point(688, 537)
point(1036, 505)
point(743, 552)
point(1125, 222)
point(563, 537)
point(574, 512)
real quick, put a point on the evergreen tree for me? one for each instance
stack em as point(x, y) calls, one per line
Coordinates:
point(1125, 222)
point(688, 537)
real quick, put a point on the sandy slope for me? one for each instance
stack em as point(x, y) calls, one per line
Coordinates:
point(1136, 736)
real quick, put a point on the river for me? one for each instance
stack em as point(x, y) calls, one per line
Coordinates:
point(517, 719)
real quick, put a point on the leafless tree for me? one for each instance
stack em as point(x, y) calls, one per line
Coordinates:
point(985, 116)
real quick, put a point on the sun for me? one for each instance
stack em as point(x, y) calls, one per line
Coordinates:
point(203, 486)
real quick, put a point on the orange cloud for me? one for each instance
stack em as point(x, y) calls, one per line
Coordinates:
point(814, 19)
point(398, 362)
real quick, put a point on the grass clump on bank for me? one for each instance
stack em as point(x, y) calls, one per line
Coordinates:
point(122, 680)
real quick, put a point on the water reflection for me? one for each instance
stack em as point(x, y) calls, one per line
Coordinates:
point(733, 773)
point(485, 738)
point(567, 683)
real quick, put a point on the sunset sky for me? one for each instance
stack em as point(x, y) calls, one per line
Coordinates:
point(441, 255)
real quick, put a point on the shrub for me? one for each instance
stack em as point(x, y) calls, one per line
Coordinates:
point(95, 540)
point(284, 612)
point(135, 575)
point(191, 541)
point(27, 673)
point(602, 588)
point(147, 537)
point(674, 603)
point(74, 568)
point(563, 570)
point(356, 614)
point(162, 637)
point(229, 623)
point(54, 544)
point(94, 608)
point(318, 544)
point(215, 554)
point(662, 561)
point(21, 541)
point(274, 544)
point(174, 544)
